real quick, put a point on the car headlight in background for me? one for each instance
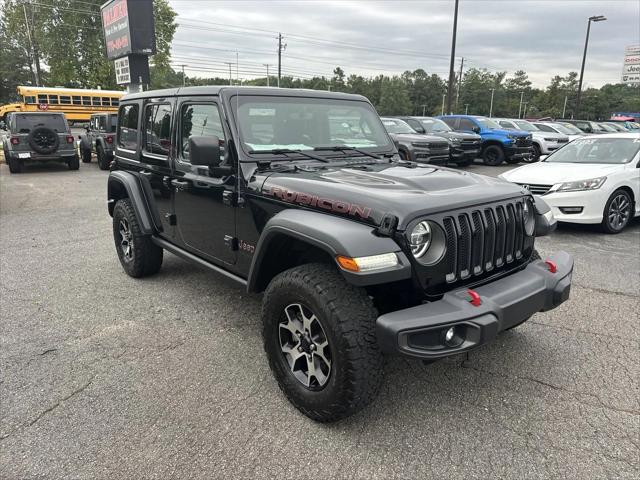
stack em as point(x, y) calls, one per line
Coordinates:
point(550, 139)
point(427, 242)
point(590, 184)
point(529, 218)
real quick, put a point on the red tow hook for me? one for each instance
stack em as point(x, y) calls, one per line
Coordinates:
point(474, 298)
point(553, 268)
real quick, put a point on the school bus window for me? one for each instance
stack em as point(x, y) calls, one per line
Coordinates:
point(106, 101)
point(42, 99)
point(65, 99)
point(96, 101)
point(53, 99)
point(115, 102)
point(86, 100)
point(30, 99)
point(77, 100)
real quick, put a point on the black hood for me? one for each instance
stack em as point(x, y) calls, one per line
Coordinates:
point(368, 193)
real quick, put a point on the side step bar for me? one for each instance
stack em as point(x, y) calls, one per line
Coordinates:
point(197, 260)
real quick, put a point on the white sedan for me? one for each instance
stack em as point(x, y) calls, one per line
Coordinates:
point(594, 179)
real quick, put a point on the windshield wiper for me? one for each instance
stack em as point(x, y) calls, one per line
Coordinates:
point(345, 148)
point(285, 151)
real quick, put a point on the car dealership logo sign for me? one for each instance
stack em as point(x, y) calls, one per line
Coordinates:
point(631, 65)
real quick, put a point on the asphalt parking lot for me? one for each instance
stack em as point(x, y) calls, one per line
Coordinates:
point(105, 376)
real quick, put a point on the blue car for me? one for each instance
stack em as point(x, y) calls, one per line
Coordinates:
point(498, 144)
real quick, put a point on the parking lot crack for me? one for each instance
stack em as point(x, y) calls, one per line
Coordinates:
point(61, 401)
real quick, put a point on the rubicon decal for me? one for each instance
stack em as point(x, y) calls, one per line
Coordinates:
point(337, 206)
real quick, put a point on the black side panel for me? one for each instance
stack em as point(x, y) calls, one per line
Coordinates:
point(131, 185)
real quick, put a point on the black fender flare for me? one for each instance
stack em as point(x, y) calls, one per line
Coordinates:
point(335, 236)
point(119, 180)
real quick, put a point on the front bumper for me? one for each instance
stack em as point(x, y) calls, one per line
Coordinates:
point(418, 331)
point(592, 203)
point(430, 156)
point(459, 153)
point(518, 152)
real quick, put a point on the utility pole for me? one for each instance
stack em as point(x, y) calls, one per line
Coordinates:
point(597, 18)
point(520, 107)
point(466, 109)
point(32, 52)
point(459, 82)
point(267, 65)
point(281, 48)
point(453, 58)
point(423, 109)
point(229, 63)
point(564, 108)
point(443, 97)
point(183, 78)
point(524, 112)
point(491, 106)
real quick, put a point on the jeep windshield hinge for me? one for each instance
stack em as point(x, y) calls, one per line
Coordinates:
point(388, 225)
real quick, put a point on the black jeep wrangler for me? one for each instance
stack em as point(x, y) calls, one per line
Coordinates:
point(99, 138)
point(358, 254)
point(38, 137)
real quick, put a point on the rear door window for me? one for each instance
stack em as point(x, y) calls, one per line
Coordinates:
point(25, 122)
point(128, 126)
point(157, 129)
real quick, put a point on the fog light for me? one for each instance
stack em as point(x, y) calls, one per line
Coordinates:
point(452, 337)
point(449, 334)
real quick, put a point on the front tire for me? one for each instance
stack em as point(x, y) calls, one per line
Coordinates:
point(314, 321)
point(138, 255)
point(74, 163)
point(617, 212)
point(493, 155)
point(535, 155)
point(103, 160)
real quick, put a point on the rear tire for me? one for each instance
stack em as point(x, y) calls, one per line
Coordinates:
point(341, 345)
point(74, 163)
point(86, 154)
point(15, 165)
point(103, 159)
point(138, 255)
point(493, 155)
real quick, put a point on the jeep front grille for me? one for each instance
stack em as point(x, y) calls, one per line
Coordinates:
point(482, 240)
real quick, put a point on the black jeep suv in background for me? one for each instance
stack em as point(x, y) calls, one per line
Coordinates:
point(38, 137)
point(411, 146)
point(99, 139)
point(301, 195)
point(464, 148)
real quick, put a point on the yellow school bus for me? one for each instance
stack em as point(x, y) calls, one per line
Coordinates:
point(76, 103)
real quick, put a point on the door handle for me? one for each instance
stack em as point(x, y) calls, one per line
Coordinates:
point(181, 185)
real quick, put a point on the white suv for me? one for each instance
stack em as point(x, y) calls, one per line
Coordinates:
point(543, 142)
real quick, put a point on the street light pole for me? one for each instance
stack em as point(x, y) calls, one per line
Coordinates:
point(443, 97)
point(466, 109)
point(423, 110)
point(564, 108)
point(267, 65)
point(451, 62)
point(520, 107)
point(491, 106)
point(596, 18)
point(524, 112)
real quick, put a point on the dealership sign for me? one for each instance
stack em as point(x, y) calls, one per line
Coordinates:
point(128, 27)
point(631, 65)
point(123, 73)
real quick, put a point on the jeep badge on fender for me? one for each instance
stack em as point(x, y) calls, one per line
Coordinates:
point(300, 195)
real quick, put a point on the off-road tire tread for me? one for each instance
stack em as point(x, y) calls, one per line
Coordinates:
point(15, 165)
point(492, 164)
point(147, 258)
point(85, 153)
point(353, 320)
point(103, 163)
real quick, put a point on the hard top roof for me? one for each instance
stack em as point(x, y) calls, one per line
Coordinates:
point(244, 90)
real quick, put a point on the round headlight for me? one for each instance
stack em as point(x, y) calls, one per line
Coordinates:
point(420, 239)
point(529, 218)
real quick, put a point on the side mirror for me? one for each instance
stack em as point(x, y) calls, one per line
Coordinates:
point(475, 129)
point(419, 129)
point(204, 151)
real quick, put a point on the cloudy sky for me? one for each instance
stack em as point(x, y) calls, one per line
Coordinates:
point(542, 37)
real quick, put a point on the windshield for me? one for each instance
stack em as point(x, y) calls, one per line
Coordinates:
point(432, 125)
point(268, 123)
point(607, 128)
point(25, 122)
point(561, 129)
point(597, 150)
point(396, 126)
point(487, 123)
point(524, 125)
point(572, 128)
